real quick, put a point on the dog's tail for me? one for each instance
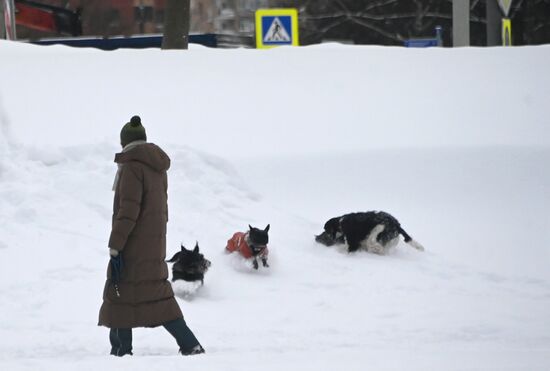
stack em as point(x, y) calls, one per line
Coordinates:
point(410, 241)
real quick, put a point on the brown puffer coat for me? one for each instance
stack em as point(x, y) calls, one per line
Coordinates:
point(140, 214)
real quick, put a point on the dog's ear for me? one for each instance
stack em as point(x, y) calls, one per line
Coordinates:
point(183, 248)
point(196, 249)
point(250, 227)
point(175, 258)
point(267, 228)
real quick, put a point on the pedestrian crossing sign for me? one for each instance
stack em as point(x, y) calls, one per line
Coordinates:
point(276, 27)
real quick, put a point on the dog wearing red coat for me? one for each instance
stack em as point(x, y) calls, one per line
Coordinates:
point(251, 245)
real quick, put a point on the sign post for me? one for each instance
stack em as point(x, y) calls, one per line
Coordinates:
point(506, 22)
point(275, 27)
point(506, 32)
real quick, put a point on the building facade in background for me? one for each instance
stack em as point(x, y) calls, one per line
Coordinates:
point(350, 21)
point(131, 17)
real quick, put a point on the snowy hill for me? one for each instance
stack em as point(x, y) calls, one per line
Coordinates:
point(454, 143)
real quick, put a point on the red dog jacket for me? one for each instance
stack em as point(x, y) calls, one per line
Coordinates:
point(238, 243)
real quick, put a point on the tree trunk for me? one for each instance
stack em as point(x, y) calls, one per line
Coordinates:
point(2, 22)
point(176, 24)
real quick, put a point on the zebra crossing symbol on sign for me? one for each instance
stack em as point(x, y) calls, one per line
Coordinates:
point(277, 33)
point(276, 27)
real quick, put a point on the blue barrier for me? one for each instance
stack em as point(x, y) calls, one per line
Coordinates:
point(117, 42)
point(426, 42)
point(420, 43)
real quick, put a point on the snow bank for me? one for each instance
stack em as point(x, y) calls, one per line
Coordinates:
point(285, 101)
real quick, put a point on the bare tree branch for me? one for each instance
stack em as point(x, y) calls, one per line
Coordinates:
point(389, 35)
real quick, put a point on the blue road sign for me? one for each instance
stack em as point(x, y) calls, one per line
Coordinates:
point(277, 30)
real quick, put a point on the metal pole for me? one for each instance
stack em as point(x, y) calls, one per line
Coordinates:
point(494, 17)
point(461, 23)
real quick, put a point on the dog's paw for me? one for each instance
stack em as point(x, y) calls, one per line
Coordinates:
point(255, 264)
point(264, 263)
point(377, 249)
point(416, 245)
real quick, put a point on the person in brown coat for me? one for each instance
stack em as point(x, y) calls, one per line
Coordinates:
point(137, 292)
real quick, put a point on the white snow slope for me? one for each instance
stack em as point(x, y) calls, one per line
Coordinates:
point(453, 142)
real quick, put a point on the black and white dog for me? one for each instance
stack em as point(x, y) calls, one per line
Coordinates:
point(374, 231)
point(189, 265)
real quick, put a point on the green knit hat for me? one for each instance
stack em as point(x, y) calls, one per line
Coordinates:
point(132, 131)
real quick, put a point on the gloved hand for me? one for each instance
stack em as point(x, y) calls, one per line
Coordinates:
point(113, 253)
point(116, 270)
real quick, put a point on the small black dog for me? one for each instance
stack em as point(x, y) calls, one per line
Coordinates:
point(189, 265)
point(373, 230)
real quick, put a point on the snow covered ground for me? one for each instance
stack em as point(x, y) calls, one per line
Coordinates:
point(454, 143)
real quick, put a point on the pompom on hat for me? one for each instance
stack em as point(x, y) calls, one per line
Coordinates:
point(132, 131)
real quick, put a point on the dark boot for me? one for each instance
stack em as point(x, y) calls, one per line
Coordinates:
point(188, 343)
point(198, 349)
point(121, 341)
